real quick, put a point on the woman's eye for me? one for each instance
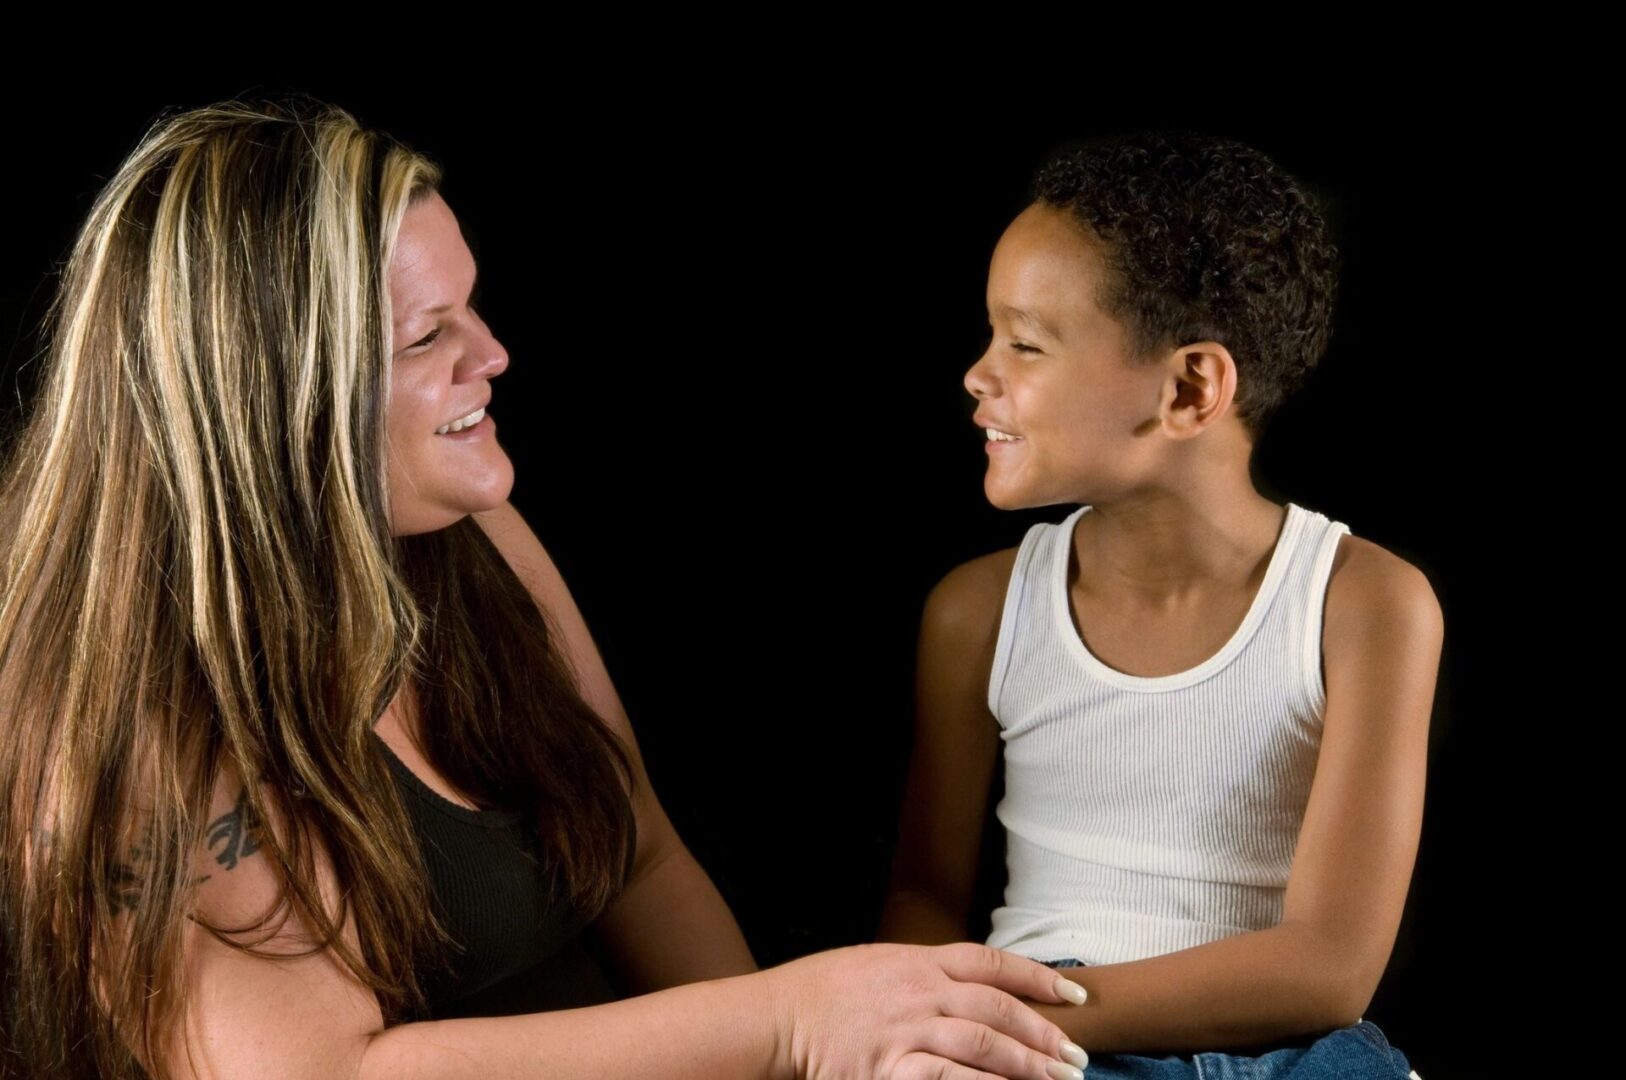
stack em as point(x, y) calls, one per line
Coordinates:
point(430, 338)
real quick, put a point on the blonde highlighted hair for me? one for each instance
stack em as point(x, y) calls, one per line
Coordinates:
point(199, 579)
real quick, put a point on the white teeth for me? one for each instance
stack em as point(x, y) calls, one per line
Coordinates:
point(995, 435)
point(458, 425)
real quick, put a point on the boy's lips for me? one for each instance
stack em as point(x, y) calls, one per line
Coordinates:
point(987, 423)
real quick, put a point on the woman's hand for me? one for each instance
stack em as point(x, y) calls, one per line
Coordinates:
point(919, 1012)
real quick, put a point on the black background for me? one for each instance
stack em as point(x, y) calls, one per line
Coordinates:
point(736, 415)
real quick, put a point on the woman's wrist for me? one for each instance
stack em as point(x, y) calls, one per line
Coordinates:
point(776, 994)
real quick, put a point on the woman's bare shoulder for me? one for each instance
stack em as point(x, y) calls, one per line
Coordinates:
point(291, 1006)
point(237, 883)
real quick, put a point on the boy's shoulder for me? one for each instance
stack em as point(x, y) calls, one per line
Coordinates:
point(959, 630)
point(1368, 581)
point(973, 593)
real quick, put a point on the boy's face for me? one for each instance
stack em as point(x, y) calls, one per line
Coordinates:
point(1054, 374)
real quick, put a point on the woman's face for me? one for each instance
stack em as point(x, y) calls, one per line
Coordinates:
point(443, 360)
point(1054, 374)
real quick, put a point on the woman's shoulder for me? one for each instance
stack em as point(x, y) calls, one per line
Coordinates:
point(237, 884)
point(238, 998)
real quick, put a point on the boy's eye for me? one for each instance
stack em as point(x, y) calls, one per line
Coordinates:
point(988, 338)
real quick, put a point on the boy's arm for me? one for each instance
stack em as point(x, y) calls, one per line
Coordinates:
point(956, 747)
point(1318, 968)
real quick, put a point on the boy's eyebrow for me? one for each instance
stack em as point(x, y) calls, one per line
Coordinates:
point(1027, 317)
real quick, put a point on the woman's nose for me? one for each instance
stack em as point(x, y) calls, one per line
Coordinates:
point(489, 359)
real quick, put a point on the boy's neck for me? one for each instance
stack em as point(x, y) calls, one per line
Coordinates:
point(1171, 548)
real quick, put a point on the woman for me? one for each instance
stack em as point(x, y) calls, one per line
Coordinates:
point(263, 606)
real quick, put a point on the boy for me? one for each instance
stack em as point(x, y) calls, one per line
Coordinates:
point(1214, 709)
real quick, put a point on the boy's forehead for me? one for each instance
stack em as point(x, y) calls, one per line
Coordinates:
point(1046, 234)
point(1042, 273)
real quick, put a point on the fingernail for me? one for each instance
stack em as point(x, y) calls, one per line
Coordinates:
point(1059, 1071)
point(1074, 1054)
point(1070, 990)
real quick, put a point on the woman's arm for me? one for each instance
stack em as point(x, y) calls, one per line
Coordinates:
point(299, 1014)
point(860, 1013)
point(1318, 969)
point(670, 925)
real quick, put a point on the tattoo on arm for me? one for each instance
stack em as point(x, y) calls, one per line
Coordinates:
point(238, 829)
point(237, 832)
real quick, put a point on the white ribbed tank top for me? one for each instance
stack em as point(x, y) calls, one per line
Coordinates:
point(1144, 815)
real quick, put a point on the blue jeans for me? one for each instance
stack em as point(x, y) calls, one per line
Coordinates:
point(1359, 1052)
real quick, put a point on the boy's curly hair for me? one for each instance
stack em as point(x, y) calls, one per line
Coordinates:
point(1204, 238)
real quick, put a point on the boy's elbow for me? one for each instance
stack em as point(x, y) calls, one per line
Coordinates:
point(1342, 981)
point(1357, 991)
point(1346, 1007)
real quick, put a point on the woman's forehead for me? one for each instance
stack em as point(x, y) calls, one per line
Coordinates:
point(430, 259)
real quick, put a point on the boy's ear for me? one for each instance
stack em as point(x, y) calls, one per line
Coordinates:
point(1200, 389)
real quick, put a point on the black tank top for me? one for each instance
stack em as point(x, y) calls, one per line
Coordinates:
point(522, 950)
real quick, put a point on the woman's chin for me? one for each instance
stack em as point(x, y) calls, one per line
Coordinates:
point(422, 517)
point(490, 490)
point(502, 486)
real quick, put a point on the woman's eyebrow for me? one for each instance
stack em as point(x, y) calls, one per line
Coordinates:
point(439, 308)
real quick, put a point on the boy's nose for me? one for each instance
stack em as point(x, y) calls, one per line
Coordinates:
point(978, 381)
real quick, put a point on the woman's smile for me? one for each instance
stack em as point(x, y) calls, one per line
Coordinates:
point(474, 425)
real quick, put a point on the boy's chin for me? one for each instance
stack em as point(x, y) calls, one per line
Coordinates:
point(1008, 500)
point(1002, 497)
point(1007, 503)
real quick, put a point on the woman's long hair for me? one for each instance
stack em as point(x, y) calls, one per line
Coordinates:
point(199, 574)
